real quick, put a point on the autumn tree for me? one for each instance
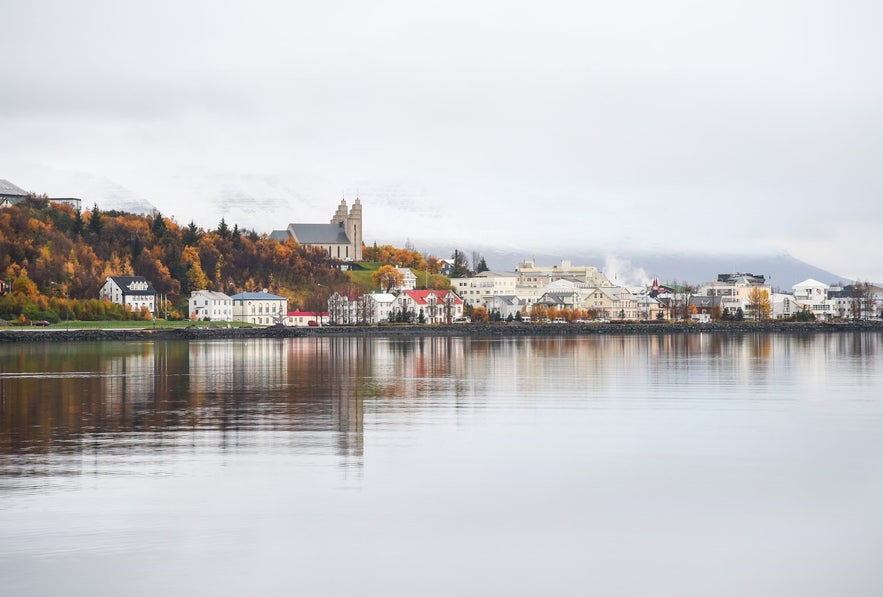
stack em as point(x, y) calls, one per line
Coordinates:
point(387, 277)
point(434, 265)
point(479, 315)
point(196, 278)
point(759, 303)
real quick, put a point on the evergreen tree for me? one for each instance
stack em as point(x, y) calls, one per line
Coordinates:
point(78, 222)
point(158, 227)
point(482, 266)
point(223, 230)
point(191, 234)
point(459, 268)
point(95, 223)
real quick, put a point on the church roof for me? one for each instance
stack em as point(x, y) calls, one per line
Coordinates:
point(319, 234)
point(9, 189)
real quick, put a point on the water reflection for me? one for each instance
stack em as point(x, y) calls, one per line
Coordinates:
point(60, 397)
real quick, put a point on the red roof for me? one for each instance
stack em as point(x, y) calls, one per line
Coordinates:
point(420, 296)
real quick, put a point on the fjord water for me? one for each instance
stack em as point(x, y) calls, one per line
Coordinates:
point(628, 465)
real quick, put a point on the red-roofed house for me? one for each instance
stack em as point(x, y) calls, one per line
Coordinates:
point(438, 306)
point(305, 318)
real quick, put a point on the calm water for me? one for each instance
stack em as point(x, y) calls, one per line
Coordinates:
point(703, 465)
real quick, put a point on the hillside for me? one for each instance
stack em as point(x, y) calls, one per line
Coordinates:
point(54, 260)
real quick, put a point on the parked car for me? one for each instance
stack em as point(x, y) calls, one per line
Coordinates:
point(42, 322)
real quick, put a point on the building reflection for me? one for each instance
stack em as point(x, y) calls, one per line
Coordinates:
point(52, 396)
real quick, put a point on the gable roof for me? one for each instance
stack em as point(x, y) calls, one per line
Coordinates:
point(381, 297)
point(810, 283)
point(125, 281)
point(9, 189)
point(212, 294)
point(319, 234)
point(420, 296)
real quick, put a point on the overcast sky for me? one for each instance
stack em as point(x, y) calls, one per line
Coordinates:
point(707, 126)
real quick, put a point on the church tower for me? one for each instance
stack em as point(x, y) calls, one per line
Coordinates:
point(352, 222)
point(354, 229)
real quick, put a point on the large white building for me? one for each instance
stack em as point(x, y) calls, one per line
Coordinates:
point(260, 308)
point(210, 305)
point(134, 292)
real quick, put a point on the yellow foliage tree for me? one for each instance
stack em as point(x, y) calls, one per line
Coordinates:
point(196, 278)
point(387, 278)
point(759, 302)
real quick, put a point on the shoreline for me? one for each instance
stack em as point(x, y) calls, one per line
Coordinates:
point(494, 330)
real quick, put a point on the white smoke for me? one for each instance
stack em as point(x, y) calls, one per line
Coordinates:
point(621, 272)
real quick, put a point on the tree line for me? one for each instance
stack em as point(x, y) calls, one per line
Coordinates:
point(54, 259)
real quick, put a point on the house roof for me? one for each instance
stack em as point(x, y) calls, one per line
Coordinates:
point(9, 189)
point(257, 296)
point(280, 235)
point(307, 314)
point(220, 296)
point(741, 278)
point(420, 296)
point(381, 297)
point(319, 234)
point(810, 283)
point(509, 299)
point(125, 281)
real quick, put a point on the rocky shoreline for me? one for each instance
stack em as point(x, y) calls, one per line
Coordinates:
point(500, 330)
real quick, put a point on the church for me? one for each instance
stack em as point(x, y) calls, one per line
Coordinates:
point(341, 239)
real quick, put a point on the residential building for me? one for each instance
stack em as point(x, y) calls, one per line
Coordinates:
point(306, 318)
point(378, 306)
point(437, 306)
point(341, 239)
point(734, 290)
point(409, 280)
point(260, 308)
point(704, 306)
point(530, 274)
point(210, 305)
point(478, 290)
point(345, 309)
point(506, 305)
point(134, 292)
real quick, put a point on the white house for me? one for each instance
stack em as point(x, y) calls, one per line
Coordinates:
point(437, 306)
point(210, 305)
point(261, 308)
point(409, 280)
point(378, 306)
point(813, 295)
point(132, 291)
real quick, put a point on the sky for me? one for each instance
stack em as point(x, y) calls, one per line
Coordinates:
point(744, 127)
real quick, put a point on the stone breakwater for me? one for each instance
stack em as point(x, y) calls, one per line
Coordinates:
point(501, 330)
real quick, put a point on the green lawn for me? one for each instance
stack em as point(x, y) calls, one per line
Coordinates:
point(159, 324)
